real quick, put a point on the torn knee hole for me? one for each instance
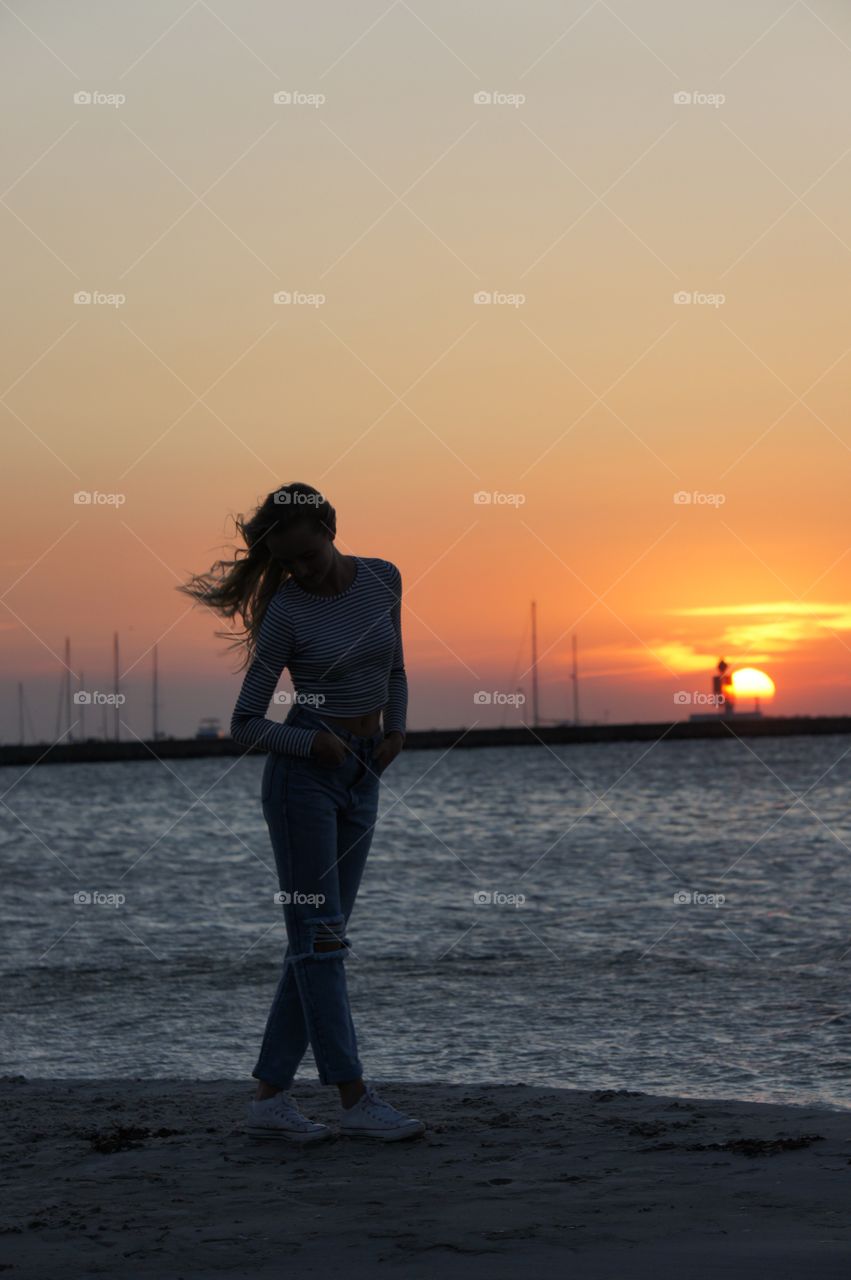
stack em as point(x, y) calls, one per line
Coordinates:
point(328, 936)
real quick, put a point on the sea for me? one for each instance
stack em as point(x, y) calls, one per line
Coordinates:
point(669, 917)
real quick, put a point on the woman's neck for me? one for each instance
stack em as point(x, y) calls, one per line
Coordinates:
point(340, 576)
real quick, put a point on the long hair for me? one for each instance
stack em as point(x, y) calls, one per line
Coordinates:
point(246, 584)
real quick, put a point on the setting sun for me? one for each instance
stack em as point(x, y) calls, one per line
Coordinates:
point(748, 682)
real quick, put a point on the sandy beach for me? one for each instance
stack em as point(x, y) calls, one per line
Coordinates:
point(155, 1177)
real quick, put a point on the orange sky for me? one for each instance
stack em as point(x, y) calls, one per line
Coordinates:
point(586, 394)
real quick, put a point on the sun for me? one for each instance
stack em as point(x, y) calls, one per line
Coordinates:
point(750, 683)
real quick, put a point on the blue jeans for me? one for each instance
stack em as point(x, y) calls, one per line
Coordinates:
point(320, 819)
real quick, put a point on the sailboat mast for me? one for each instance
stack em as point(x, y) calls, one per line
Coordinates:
point(115, 682)
point(535, 717)
point(155, 695)
point(69, 706)
point(575, 679)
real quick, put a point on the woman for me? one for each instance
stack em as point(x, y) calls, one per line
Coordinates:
point(335, 622)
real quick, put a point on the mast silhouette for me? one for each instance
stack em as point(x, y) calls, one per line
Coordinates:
point(116, 684)
point(155, 697)
point(575, 678)
point(64, 705)
point(535, 716)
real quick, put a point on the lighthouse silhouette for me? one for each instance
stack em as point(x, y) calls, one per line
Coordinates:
point(722, 690)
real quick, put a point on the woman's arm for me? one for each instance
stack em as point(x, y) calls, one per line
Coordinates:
point(396, 710)
point(249, 725)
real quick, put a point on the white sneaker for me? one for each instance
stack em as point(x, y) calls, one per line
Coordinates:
point(371, 1117)
point(279, 1117)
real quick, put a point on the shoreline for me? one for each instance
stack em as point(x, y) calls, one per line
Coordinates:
point(713, 729)
point(155, 1176)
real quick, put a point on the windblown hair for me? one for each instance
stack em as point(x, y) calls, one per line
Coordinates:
point(246, 584)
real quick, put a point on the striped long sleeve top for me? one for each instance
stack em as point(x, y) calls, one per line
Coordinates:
point(343, 653)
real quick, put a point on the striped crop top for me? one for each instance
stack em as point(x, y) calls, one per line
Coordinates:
point(343, 652)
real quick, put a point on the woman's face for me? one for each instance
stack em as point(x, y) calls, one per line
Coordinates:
point(306, 553)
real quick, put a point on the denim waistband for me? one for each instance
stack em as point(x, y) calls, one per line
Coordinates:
point(308, 717)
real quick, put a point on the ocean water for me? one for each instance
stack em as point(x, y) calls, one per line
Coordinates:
point(580, 970)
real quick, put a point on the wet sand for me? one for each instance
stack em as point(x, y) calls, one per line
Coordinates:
point(155, 1178)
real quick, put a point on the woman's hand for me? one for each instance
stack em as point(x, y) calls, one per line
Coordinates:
point(387, 750)
point(328, 749)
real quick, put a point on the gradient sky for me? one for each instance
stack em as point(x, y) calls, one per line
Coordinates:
point(597, 399)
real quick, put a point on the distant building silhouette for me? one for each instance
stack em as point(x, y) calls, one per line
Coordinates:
point(722, 690)
point(210, 727)
point(723, 700)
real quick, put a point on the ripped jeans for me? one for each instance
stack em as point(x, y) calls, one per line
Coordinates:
point(321, 820)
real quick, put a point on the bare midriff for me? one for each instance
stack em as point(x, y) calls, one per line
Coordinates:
point(364, 725)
